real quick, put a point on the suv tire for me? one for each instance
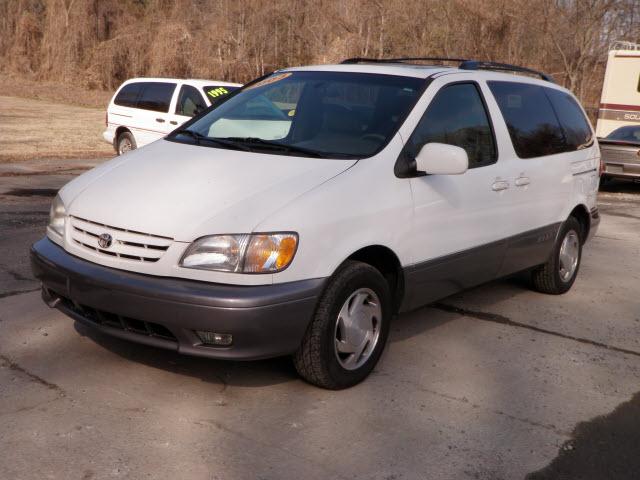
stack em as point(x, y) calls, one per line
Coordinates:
point(557, 275)
point(349, 329)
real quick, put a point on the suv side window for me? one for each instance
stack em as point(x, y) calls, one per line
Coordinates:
point(531, 120)
point(457, 116)
point(190, 101)
point(128, 95)
point(156, 96)
point(577, 131)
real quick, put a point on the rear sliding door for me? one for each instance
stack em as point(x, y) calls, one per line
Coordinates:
point(548, 134)
point(151, 119)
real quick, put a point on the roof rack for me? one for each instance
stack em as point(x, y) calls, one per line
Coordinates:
point(401, 60)
point(503, 67)
point(464, 64)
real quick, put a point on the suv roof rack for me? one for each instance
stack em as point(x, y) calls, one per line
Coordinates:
point(464, 64)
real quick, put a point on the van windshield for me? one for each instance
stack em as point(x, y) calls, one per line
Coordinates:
point(321, 114)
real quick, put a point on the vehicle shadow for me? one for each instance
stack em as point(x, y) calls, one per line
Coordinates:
point(483, 296)
point(604, 447)
point(615, 185)
point(221, 372)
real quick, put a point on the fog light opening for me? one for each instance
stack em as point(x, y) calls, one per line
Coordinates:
point(217, 339)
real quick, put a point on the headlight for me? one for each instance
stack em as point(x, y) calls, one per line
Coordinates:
point(244, 253)
point(57, 216)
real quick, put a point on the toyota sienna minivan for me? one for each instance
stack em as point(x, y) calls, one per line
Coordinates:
point(304, 211)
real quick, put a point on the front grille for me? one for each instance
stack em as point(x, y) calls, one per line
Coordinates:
point(128, 324)
point(126, 244)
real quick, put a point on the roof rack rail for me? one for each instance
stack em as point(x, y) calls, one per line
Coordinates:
point(401, 60)
point(503, 67)
point(464, 64)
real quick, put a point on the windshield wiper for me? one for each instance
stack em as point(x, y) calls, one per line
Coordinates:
point(254, 141)
point(198, 137)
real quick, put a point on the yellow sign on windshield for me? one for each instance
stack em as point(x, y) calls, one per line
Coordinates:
point(217, 92)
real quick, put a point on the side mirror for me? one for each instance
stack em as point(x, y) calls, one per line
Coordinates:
point(442, 159)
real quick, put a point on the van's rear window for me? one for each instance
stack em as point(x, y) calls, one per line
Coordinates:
point(155, 96)
point(128, 95)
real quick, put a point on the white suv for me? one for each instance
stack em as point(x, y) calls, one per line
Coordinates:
point(145, 109)
point(305, 210)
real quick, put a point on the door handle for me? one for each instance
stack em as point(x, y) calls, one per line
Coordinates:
point(499, 185)
point(173, 122)
point(522, 181)
point(160, 120)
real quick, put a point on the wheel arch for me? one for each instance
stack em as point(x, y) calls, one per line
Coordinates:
point(388, 264)
point(119, 131)
point(581, 213)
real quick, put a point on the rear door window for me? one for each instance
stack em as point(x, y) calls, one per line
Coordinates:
point(128, 95)
point(576, 128)
point(457, 116)
point(190, 101)
point(156, 96)
point(531, 120)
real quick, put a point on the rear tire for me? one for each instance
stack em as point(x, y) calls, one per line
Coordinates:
point(557, 275)
point(125, 143)
point(349, 329)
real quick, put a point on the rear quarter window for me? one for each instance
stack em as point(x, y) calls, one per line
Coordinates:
point(128, 95)
point(577, 130)
point(155, 96)
point(533, 125)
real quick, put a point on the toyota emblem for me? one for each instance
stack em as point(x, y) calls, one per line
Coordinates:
point(105, 240)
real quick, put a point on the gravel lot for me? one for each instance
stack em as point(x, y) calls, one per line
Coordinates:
point(496, 383)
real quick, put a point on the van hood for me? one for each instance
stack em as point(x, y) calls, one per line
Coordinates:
point(187, 191)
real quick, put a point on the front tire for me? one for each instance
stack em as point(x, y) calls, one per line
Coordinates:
point(557, 275)
point(349, 330)
point(125, 143)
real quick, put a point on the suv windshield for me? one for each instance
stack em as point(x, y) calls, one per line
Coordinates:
point(323, 114)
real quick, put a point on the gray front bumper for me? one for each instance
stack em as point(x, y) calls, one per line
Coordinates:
point(265, 320)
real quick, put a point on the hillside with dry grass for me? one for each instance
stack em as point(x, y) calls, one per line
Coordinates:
point(100, 43)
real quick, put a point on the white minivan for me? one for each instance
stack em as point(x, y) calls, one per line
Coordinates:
point(145, 109)
point(305, 210)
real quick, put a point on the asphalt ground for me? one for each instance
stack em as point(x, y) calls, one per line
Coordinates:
point(495, 383)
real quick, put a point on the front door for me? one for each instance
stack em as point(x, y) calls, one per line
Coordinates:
point(190, 102)
point(459, 228)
